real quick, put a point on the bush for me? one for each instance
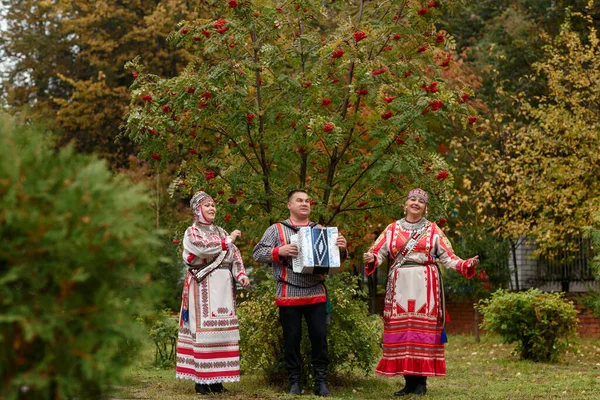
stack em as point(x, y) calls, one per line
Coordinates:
point(353, 337)
point(74, 265)
point(163, 332)
point(261, 335)
point(534, 320)
point(593, 232)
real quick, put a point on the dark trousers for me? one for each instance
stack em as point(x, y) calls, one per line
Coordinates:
point(291, 321)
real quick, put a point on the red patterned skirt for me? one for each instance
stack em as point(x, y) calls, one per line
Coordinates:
point(413, 324)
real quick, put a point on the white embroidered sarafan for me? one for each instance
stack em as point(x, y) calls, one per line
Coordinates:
point(208, 342)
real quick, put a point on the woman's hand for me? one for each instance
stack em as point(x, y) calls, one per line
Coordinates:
point(368, 258)
point(476, 261)
point(234, 235)
point(245, 282)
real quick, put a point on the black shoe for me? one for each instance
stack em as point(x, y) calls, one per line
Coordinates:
point(409, 387)
point(202, 388)
point(295, 389)
point(322, 390)
point(402, 392)
point(420, 390)
point(217, 388)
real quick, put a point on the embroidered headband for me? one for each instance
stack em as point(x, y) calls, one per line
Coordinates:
point(420, 193)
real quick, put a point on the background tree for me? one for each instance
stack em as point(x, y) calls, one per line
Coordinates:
point(341, 100)
point(65, 59)
point(553, 163)
point(502, 42)
point(503, 39)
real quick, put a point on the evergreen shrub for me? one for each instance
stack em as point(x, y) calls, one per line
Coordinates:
point(354, 337)
point(536, 321)
point(75, 261)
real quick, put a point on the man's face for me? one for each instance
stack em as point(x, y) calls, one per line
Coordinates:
point(299, 205)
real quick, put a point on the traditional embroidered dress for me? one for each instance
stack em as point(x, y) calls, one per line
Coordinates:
point(208, 341)
point(413, 319)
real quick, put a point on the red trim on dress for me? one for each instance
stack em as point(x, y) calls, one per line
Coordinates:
point(393, 244)
point(207, 375)
point(237, 278)
point(202, 355)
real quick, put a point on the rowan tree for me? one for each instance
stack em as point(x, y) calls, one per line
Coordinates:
point(337, 99)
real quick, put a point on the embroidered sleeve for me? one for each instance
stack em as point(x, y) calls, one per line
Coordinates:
point(443, 250)
point(199, 245)
point(267, 249)
point(234, 257)
point(380, 249)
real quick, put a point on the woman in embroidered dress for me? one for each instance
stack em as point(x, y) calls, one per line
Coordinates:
point(208, 342)
point(414, 315)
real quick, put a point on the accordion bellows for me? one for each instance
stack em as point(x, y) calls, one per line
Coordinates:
point(317, 251)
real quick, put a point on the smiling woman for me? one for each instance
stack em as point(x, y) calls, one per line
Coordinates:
point(414, 312)
point(416, 204)
point(208, 342)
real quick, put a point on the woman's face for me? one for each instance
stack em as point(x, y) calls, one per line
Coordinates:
point(415, 207)
point(209, 211)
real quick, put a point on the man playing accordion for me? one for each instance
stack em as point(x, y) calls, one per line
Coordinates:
point(298, 294)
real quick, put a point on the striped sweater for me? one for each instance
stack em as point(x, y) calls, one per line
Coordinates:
point(292, 289)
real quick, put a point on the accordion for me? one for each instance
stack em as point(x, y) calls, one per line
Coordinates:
point(317, 251)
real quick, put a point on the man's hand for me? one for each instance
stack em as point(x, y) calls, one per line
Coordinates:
point(288, 250)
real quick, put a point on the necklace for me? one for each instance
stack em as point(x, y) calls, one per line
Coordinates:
point(204, 227)
point(413, 226)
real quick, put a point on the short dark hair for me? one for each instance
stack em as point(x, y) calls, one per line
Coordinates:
point(293, 192)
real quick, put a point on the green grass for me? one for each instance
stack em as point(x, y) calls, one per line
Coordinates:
point(485, 370)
